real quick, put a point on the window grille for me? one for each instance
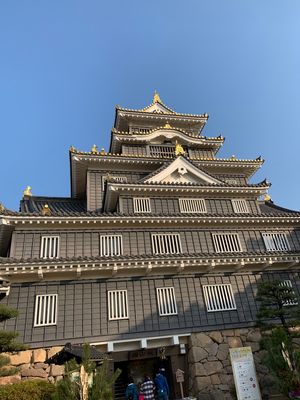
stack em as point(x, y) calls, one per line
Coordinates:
point(288, 283)
point(162, 151)
point(219, 297)
point(192, 206)
point(50, 247)
point(45, 310)
point(117, 179)
point(240, 206)
point(141, 205)
point(231, 181)
point(226, 242)
point(139, 130)
point(166, 301)
point(276, 241)
point(111, 245)
point(166, 243)
point(117, 304)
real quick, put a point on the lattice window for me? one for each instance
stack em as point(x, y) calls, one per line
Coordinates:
point(276, 241)
point(166, 243)
point(231, 181)
point(49, 247)
point(288, 284)
point(117, 304)
point(114, 178)
point(240, 206)
point(226, 242)
point(111, 245)
point(166, 301)
point(139, 130)
point(141, 205)
point(45, 310)
point(219, 297)
point(162, 151)
point(194, 206)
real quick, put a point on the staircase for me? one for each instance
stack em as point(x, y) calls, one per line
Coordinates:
point(120, 388)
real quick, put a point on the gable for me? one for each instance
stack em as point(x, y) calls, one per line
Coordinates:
point(182, 171)
point(158, 108)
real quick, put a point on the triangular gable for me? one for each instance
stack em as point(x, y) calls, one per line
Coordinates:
point(182, 171)
point(158, 108)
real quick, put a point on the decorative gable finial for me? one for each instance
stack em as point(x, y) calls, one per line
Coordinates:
point(27, 192)
point(178, 149)
point(2, 208)
point(46, 210)
point(94, 149)
point(156, 98)
point(167, 126)
point(267, 197)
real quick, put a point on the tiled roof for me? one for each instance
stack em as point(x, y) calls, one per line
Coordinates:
point(148, 257)
point(74, 351)
point(270, 208)
point(57, 205)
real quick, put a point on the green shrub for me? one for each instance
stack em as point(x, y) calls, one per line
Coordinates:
point(27, 390)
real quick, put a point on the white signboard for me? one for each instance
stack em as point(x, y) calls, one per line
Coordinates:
point(244, 374)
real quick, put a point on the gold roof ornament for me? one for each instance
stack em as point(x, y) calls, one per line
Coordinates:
point(2, 208)
point(156, 98)
point(46, 210)
point(94, 149)
point(102, 152)
point(267, 197)
point(167, 126)
point(178, 149)
point(27, 192)
point(233, 157)
point(72, 149)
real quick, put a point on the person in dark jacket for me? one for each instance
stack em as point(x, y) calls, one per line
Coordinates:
point(162, 387)
point(131, 390)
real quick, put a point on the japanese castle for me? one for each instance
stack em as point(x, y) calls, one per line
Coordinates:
point(155, 257)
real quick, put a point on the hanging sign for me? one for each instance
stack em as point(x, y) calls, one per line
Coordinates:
point(244, 374)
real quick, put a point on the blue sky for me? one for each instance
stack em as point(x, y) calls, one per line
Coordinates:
point(66, 64)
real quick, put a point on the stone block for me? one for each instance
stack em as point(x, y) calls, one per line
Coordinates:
point(212, 367)
point(254, 346)
point(202, 382)
point(33, 373)
point(212, 349)
point(216, 337)
point(56, 370)
point(197, 354)
point(41, 365)
point(23, 357)
point(200, 340)
point(54, 350)
point(223, 352)
point(228, 332)
point(215, 379)
point(234, 342)
point(39, 355)
point(6, 380)
point(254, 336)
point(197, 370)
point(226, 379)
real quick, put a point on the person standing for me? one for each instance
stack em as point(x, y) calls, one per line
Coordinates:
point(131, 390)
point(162, 386)
point(147, 388)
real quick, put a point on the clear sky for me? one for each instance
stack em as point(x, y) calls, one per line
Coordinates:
point(65, 64)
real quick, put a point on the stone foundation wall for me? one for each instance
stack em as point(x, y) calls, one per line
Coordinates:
point(32, 365)
point(210, 371)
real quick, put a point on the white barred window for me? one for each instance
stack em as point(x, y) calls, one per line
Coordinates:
point(166, 301)
point(141, 205)
point(231, 181)
point(240, 206)
point(288, 283)
point(45, 310)
point(276, 241)
point(117, 304)
point(166, 243)
point(192, 206)
point(226, 242)
point(111, 245)
point(219, 297)
point(49, 247)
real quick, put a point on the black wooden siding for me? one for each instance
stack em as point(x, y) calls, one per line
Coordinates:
point(83, 310)
point(138, 241)
point(170, 205)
